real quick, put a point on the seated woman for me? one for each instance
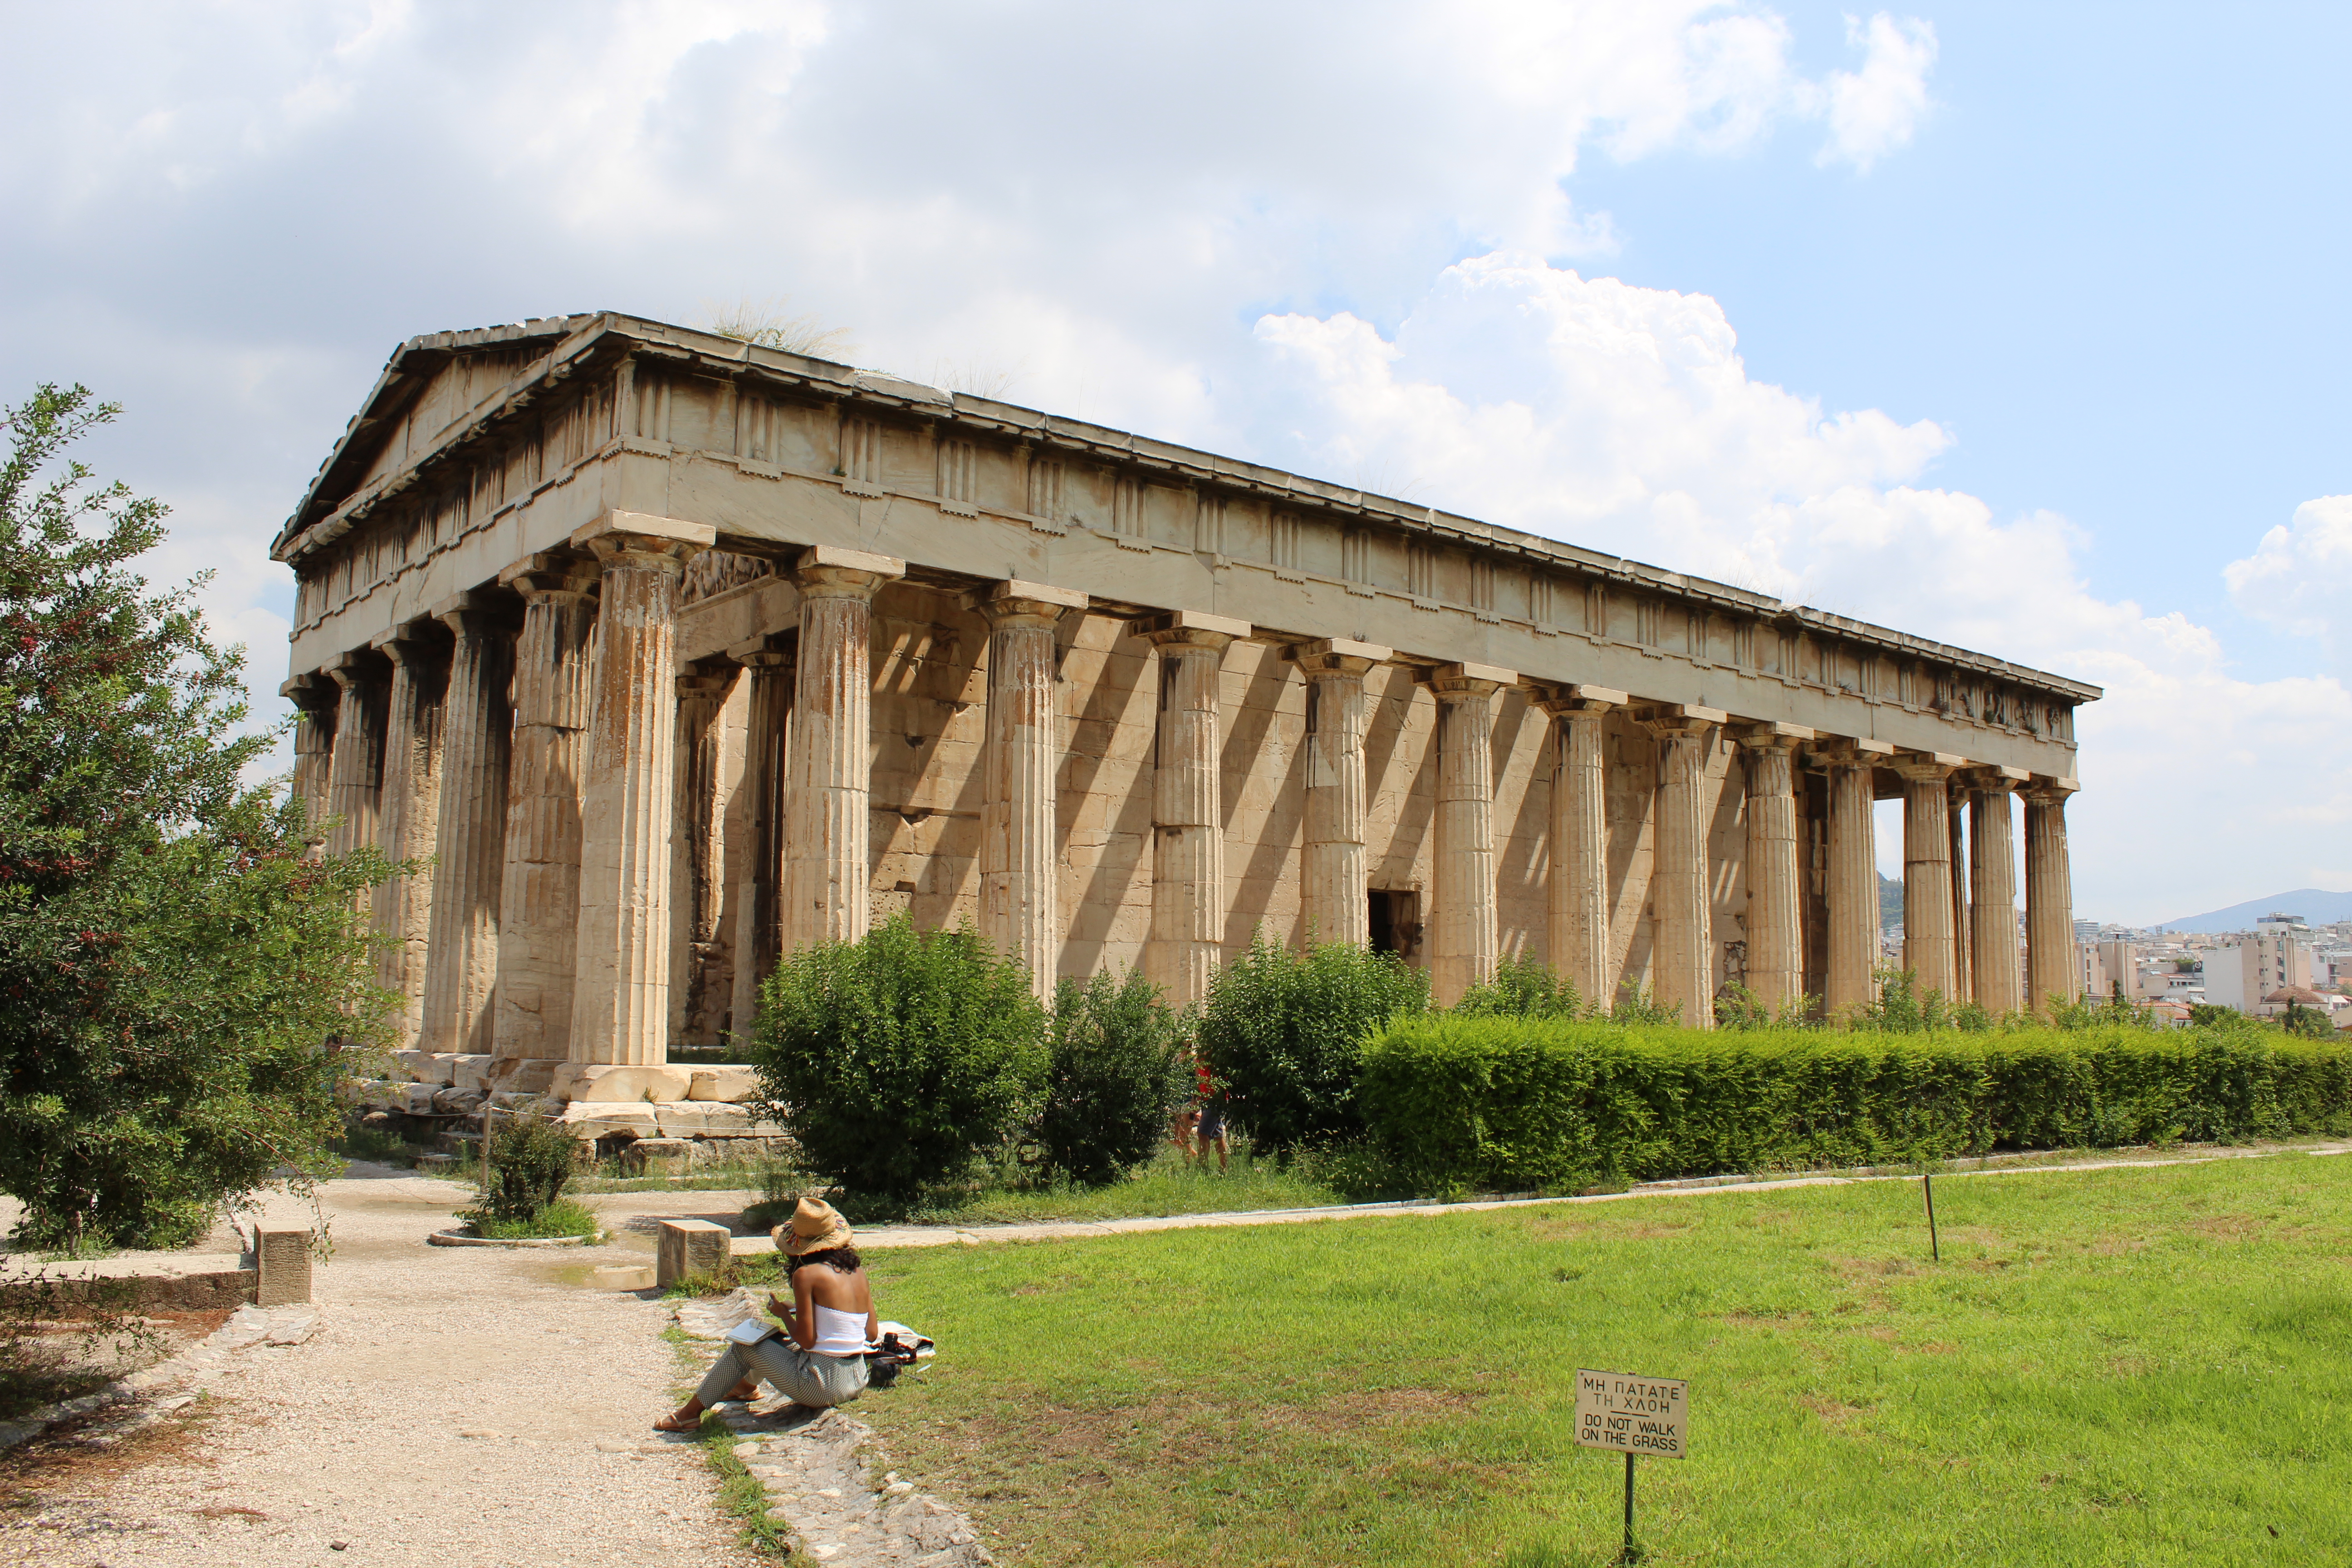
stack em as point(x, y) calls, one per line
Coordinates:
point(830, 1322)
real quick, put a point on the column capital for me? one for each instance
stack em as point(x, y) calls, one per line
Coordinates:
point(1993, 779)
point(1014, 603)
point(771, 651)
point(311, 692)
point(548, 573)
point(1853, 751)
point(1763, 737)
point(1337, 655)
point(1927, 767)
point(2045, 789)
point(1673, 719)
point(1566, 701)
point(624, 533)
point(357, 668)
point(829, 571)
point(475, 611)
point(697, 681)
point(1188, 629)
point(1464, 681)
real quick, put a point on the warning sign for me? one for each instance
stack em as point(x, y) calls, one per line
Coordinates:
point(1632, 1414)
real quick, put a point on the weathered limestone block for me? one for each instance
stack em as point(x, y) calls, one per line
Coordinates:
point(459, 1101)
point(528, 1076)
point(471, 1071)
point(686, 1246)
point(734, 1084)
point(283, 1258)
point(608, 1083)
point(697, 1118)
point(523, 1102)
point(600, 1118)
point(411, 1064)
point(440, 1068)
point(417, 1099)
point(660, 1156)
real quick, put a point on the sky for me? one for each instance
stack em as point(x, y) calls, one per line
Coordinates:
point(2020, 327)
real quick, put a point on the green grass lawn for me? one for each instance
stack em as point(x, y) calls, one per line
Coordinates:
point(2120, 1367)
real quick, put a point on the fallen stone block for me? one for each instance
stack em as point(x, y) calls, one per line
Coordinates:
point(685, 1246)
point(440, 1068)
point(417, 1099)
point(735, 1085)
point(470, 1072)
point(600, 1118)
point(521, 1102)
point(662, 1156)
point(607, 1082)
point(459, 1101)
point(692, 1118)
point(526, 1074)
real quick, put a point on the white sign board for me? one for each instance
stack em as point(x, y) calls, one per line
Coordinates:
point(1632, 1414)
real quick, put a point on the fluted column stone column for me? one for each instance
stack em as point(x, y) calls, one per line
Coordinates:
point(1019, 842)
point(827, 873)
point(1678, 880)
point(1930, 945)
point(1851, 891)
point(314, 698)
point(1469, 926)
point(2050, 967)
point(702, 694)
point(1992, 878)
point(462, 967)
point(620, 998)
point(355, 765)
point(1188, 839)
point(1776, 935)
point(1334, 892)
point(538, 891)
point(409, 814)
point(1576, 887)
point(766, 753)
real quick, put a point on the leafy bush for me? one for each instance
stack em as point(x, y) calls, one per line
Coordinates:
point(531, 1162)
point(1117, 1073)
point(1283, 1029)
point(1522, 988)
point(1504, 1104)
point(565, 1216)
point(897, 1060)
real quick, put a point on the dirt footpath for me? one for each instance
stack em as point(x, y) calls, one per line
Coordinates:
point(456, 1407)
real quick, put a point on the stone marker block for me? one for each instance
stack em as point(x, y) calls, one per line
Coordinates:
point(285, 1260)
point(733, 1085)
point(657, 1156)
point(687, 1247)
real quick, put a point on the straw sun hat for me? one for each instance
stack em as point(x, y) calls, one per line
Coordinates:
point(817, 1226)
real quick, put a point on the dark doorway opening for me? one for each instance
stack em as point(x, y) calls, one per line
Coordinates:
point(1396, 923)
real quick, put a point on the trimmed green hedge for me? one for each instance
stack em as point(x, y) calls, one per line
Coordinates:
point(1513, 1104)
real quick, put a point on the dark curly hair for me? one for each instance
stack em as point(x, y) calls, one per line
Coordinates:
point(841, 1259)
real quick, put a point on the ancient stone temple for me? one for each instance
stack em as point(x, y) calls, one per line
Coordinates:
point(670, 653)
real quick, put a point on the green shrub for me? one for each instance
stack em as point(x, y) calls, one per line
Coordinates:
point(1283, 1029)
point(565, 1216)
point(897, 1060)
point(1505, 1104)
point(1116, 1075)
point(1522, 988)
point(530, 1162)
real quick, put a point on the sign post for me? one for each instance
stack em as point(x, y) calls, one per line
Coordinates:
point(1633, 1415)
point(1927, 1185)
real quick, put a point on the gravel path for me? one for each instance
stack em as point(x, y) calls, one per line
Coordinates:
point(456, 1407)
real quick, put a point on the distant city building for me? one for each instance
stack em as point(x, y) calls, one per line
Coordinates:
point(2277, 956)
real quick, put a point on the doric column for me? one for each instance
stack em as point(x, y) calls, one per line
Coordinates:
point(1334, 891)
point(462, 968)
point(1930, 945)
point(1469, 928)
point(1020, 847)
point(1188, 839)
point(410, 814)
point(2050, 967)
point(1992, 879)
point(766, 750)
point(355, 765)
point(313, 696)
point(826, 860)
point(1576, 887)
point(1775, 936)
point(1963, 948)
point(620, 996)
point(539, 891)
point(1851, 892)
point(702, 827)
point(1679, 883)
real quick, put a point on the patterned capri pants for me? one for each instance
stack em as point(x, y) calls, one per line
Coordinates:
point(801, 1376)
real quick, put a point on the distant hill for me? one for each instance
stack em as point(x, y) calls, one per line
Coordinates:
point(2318, 907)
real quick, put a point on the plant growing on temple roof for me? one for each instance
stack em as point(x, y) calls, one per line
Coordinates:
point(898, 1060)
point(171, 968)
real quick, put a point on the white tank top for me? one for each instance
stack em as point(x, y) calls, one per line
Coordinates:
point(839, 1333)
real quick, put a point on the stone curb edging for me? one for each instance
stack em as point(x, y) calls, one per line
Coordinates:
point(458, 1238)
point(249, 1325)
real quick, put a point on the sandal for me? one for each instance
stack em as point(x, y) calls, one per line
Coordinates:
point(673, 1423)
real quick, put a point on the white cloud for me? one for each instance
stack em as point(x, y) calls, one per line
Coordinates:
point(2300, 578)
point(1623, 418)
point(1874, 111)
